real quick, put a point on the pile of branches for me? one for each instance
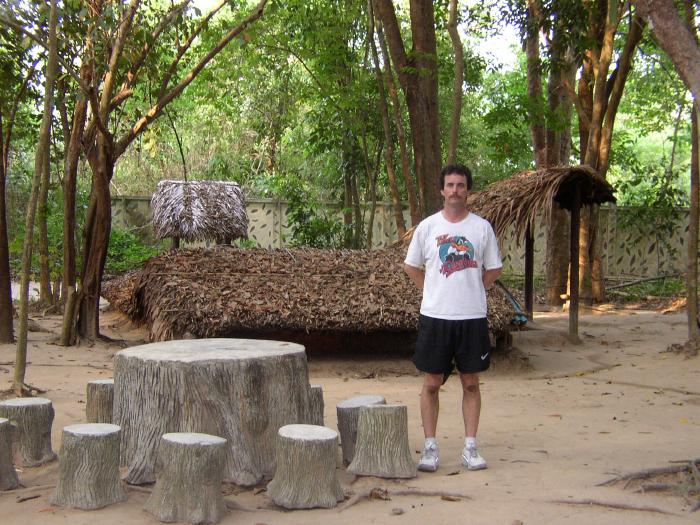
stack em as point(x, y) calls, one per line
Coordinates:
point(222, 291)
point(199, 211)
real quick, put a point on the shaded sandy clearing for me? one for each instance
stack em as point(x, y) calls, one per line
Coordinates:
point(582, 414)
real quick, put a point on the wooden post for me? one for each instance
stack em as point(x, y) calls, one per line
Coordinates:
point(529, 270)
point(88, 476)
point(33, 417)
point(306, 468)
point(8, 476)
point(188, 483)
point(574, 266)
point(382, 443)
point(100, 397)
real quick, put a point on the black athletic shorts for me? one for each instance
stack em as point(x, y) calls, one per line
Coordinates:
point(442, 341)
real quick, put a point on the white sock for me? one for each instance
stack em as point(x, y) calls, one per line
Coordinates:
point(429, 442)
point(470, 442)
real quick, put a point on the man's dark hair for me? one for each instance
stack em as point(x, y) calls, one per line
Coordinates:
point(456, 169)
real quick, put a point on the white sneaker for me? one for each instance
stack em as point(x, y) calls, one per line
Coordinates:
point(429, 460)
point(472, 459)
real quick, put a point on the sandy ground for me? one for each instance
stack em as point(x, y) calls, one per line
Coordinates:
point(577, 415)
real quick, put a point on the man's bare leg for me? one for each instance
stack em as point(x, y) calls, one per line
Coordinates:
point(471, 410)
point(430, 403)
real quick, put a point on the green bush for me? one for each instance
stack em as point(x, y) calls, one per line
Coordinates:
point(127, 251)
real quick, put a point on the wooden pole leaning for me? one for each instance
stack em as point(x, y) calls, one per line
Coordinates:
point(382, 443)
point(8, 475)
point(190, 469)
point(306, 468)
point(100, 398)
point(348, 412)
point(89, 467)
point(32, 417)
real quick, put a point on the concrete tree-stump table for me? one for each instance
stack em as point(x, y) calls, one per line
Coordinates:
point(8, 475)
point(188, 479)
point(32, 417)
point(348, 412)
point(100, 398)
point(242, 390)
point(316, 406)
point(382, 443)
point(88, 467)
point(306, 468)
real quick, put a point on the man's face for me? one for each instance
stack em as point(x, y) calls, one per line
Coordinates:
point(455, 189)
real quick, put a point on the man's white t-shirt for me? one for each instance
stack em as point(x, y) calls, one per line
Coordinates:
point(454, 255)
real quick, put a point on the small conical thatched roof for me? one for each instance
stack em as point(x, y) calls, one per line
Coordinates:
point(520, 199)
point(199, 211)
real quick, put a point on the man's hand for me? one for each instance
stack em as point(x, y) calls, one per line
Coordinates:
point(490, 276)
point(417, 275)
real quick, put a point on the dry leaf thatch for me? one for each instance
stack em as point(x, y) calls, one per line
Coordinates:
point(520, 199)
point(199, 211)
point(221, 291)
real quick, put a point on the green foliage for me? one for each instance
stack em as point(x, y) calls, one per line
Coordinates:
point(127, 251)
point(668, 287)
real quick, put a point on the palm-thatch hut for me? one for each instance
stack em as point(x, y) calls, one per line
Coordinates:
point(520, 200)
point(199, 211)
point(325, 299)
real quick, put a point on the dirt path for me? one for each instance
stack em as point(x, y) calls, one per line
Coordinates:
point(578, 416)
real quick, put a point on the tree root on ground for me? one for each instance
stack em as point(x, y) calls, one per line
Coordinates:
point(385, 494)
point(27, 390)
point(610, 505)
point(689, 486)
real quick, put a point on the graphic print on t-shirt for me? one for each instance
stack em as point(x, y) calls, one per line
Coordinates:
point(456, 253)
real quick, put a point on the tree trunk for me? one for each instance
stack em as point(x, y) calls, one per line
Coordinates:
point(692, 274)
point(242, 390)
point(188, 486)
point(386, 126)
point(413, 203)
point(6, 308)
point(418, 77)
point(458, 81)
point(534, 85)
point(316, 406)
point(306, 475)
point(88, 475)
point(675, 38)
point(45, 294)
point(96, 242)
point(42, 151)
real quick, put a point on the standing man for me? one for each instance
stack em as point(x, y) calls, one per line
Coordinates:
point(453, 258)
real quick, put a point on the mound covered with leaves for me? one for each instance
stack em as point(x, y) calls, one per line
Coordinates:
point(221, 291)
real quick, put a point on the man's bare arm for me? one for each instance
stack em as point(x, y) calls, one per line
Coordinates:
point(490, 276)
point(417, 275)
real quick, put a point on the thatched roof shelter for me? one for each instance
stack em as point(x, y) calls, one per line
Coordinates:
point(199, 211)
point(228, 292)
point(520, 199)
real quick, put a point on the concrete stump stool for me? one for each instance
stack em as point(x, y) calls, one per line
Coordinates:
point(88, 467)
point(32, 417)
point(306, 468)
point(189, 473)
point(100, 398)
point(382, 443)
point(316, 406)
point(242, 390)
point(348, 412)
point(8, 476)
